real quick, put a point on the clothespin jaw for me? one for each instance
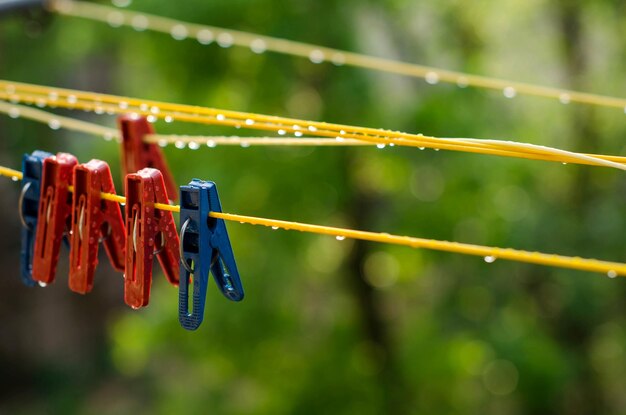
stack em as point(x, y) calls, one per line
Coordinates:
point(205, 247)
point(137, 154)
point(28, 208)
point(149, 232)
point(94, 220)
point(54, 218)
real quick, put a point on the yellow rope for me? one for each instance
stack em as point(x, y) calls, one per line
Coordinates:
point(612, 269)
point(101, 103)
point(258, 43)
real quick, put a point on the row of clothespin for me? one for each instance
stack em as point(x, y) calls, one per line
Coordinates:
point(61, 203)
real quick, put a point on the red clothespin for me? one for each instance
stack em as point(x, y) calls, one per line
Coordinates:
point(55, 210)
point(137, 154)
point(149, 231)
point(94, 220)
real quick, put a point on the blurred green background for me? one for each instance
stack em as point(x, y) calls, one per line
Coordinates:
point(333, 326)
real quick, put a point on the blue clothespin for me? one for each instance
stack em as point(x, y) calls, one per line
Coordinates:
point(204, 247)
point(28, 208)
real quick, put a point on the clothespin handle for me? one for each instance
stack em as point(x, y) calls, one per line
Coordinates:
point(205, 247)
point(138, 154)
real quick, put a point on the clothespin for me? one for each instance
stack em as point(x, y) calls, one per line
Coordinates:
point(137, 154)
point(149, 232)
point(28, 207)
point(94, 220)
point(204, 246)
point(55, 213)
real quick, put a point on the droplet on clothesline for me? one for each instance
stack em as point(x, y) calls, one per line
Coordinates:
point(193, 145)
point(509, 92)
point(152, 118)
point(275, 227)
point(436, 149)
point(282, 132)
point(225, 40)
point(179, 32)
point(42, 284)
point(144, 107)
point(99, 110)
point(316, 56)
point(338, 59)
point(15, 178)
point(245, 144)
point(123, 105)
point(249, 122)
point(220, 117)
point(298, 134)
point(462, 82)
point(139, 22)
point(107, 136)
point(422, 148)
point(340, 237)
point(258, 46)
point(162, 143)
point(54, 124)
point(14, 112)
point(564, 98)
point(611, 274)
point(432, 78)
point(168, 119)
point(154, 110)
point(41, 103)
point(204, 36)
point(179, 144)
point(53, 96)
point(380, 145)
point(490, 259)
point(339, 139)
point(342, 132)
point(115, 19)
point(312, 128)
point(211, 144)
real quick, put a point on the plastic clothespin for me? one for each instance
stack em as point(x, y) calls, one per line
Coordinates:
point(94, 220)
point(137, 154)
point(55, 213)
point(205, 247)
point(149, 232)
point(28, 207)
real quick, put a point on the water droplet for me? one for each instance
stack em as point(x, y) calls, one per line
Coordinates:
point(134, 307)
point(225, 40)
point(220, 117)
point(380, 145)
point(340, 237)
point(422, 148)
point(342, 132)
point(275, 227)
point(179, 32)
point(115, 19)
point(204, 36)
point(245, 144)
point(296, 127)
point(462, 82)
point(312, 128)
point(193, 145)
point(436, 149)
point(53, 96)
point(258, 46)
point(179, 144)
point(338, 59)
point(211, 143)
point(611, 274)
point(564, 98)
point(432, 78)
point(15, 178)
point(509, 92)
point(564, 163)
point(41, 103)
point(282, 132)
point(168, 119)
point(14, 112)
point(54, 124)
point(154, 110)
point(144, 107)
point(162, 143)
point(490, 259)
point(339, 139)
point(152, 118)
point(99, 110)
point(123, 105)
point(249, 122)
point(42, 284)
point(139, 22)
point(298, 134)
point(316, 56)
point(107, 136)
